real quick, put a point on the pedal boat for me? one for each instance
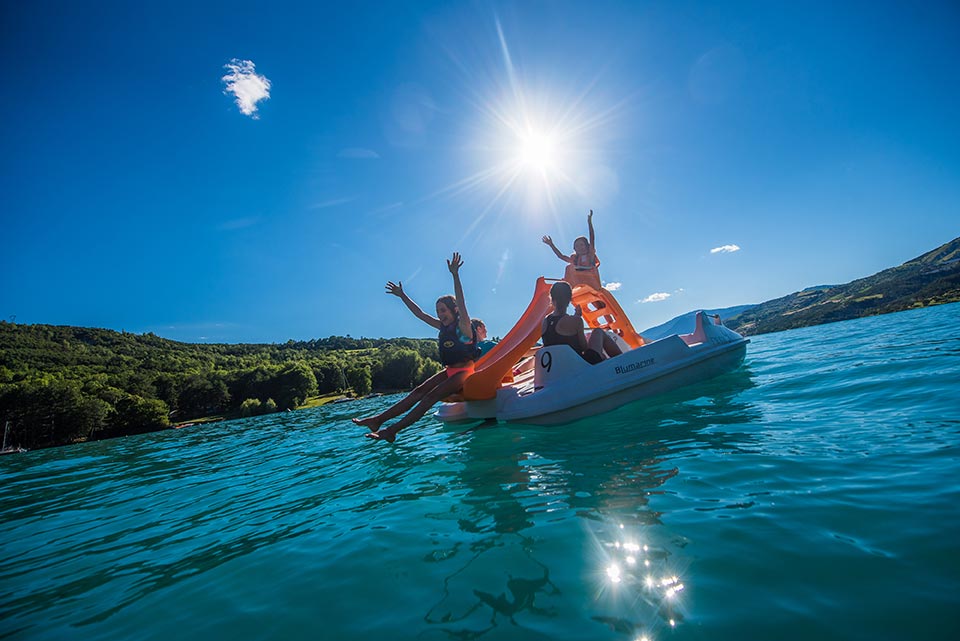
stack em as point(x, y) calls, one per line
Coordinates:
point(517, 382)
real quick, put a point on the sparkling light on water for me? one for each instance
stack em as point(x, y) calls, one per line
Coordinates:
point(727, 500)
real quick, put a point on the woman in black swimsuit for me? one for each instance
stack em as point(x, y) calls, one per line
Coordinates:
point(560, 328)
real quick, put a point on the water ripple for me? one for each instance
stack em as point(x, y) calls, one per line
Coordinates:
point(810, 494)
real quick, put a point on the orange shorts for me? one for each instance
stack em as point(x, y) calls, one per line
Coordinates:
point(453, 371)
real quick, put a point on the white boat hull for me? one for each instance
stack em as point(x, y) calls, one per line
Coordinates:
point(564, 387)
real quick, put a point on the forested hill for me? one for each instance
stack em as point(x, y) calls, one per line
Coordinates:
point(62, 384)
point(930, 279)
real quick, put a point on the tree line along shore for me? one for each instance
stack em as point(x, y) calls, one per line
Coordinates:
point(61, 385)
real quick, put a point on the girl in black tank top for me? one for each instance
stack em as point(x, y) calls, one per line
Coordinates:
point(561, 293)
point(590, 349)
point(551, 336)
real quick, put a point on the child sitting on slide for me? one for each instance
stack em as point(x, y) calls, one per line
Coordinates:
point(483, 344)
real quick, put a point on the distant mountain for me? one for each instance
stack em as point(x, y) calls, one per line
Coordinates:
point(686, 323)
point(930, 279)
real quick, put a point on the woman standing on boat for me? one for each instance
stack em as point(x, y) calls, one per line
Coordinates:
point(457, 343)
point(560, 328)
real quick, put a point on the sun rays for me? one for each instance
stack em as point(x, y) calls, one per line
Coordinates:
point(530, 149)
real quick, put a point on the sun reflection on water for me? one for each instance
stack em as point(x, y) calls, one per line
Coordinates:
point(638, 578)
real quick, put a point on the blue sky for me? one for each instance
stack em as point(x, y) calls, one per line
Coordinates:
point(135, 193)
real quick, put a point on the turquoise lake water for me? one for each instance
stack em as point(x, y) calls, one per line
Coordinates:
point(814, 494)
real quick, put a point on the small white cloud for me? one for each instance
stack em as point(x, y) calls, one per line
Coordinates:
point(612, 287)
point(725, 249)
point(358, 152)
point(247, 87)
point(656, 298)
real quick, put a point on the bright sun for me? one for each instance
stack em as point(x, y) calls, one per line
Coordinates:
point(537, 151)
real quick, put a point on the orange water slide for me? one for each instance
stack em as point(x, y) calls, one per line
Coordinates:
point(601, 309)
point(483, 384)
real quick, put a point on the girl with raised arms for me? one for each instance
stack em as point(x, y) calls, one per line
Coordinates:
point(457, 342)
point(583, 264)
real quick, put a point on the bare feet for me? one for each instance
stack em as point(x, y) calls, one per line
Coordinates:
point(370, 422)
point(388, 435)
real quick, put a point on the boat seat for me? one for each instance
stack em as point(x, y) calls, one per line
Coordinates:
point(699, 334)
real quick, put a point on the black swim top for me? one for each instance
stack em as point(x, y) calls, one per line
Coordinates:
point(452, 348)
point(551, 336)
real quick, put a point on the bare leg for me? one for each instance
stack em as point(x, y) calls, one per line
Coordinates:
point(603, 344)
point(373, 423)
point(450, 386)
point(610, 346)
point(595, 342)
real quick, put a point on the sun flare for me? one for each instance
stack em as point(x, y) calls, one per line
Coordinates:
point(537, 151)
point(535, 148)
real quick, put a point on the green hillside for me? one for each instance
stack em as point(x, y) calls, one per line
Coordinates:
point(65, 384)
point(930, 279)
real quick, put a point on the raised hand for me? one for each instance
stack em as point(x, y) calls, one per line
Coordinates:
point(590, 216)
point(455, 264)
point(547, 241)
point(395, 288)
point(577, 311)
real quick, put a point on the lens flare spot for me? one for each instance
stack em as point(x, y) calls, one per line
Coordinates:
point(613, 573)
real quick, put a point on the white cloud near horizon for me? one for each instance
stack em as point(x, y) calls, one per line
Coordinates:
point(612, 287)
point(656, 298)
point(246, 85)
point(358, 153)
point(725, 249)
